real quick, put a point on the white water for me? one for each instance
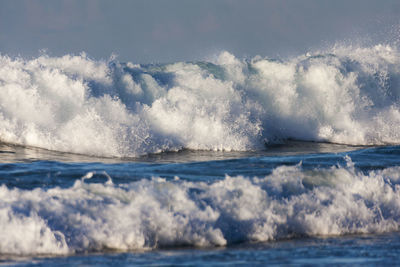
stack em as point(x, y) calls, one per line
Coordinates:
point(290, 202)
point(345, 95)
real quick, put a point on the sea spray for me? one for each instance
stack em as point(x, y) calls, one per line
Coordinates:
point(153, 213)
point(346, 95)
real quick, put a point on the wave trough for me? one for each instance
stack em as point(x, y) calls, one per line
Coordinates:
point(347, 95)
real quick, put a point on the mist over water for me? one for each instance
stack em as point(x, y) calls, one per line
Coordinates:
point(346, 95)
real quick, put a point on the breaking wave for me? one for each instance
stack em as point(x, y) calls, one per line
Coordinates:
point(346, 95)
point(154, 213)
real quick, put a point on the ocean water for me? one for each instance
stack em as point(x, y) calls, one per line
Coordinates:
point(225, 161)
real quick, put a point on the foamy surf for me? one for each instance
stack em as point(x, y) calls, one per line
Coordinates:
point(152, 213)
point(346, 95)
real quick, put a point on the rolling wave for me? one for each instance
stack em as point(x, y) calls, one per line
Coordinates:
point(347, 95)
point(151, 213)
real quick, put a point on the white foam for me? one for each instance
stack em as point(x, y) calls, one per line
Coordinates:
point(73, 103)
point(146, 214)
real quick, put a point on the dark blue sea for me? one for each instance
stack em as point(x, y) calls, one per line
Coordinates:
point(221, 162)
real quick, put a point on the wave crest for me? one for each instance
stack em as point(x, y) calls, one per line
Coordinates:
point(75, 104)
point(146, 214)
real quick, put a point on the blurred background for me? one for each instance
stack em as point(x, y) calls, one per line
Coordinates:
point(184, 30)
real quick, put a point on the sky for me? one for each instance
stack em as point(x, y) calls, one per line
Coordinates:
point(157, 31)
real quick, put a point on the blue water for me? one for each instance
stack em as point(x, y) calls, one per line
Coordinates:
point(360, 239)
point(232, 161)
point(354, 250)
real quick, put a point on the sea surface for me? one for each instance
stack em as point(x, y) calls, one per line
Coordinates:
point(227, 161)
